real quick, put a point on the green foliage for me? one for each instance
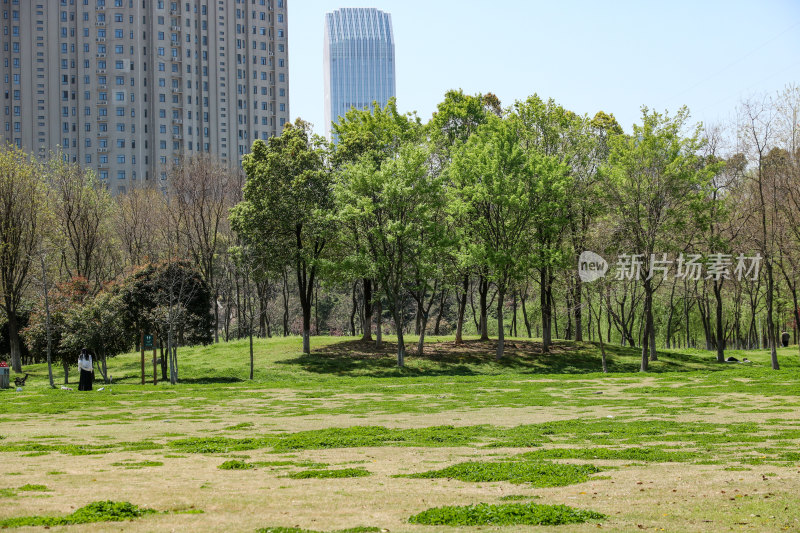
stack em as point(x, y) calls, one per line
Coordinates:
point(397, 212)
point(374, 135)
point(326, 474)
point(504, 515)
point(537, 474)
point(235, 464)
point(102, 511)
point(156, 291)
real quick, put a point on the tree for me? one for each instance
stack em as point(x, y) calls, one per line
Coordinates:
point(757, 134)
point(397, 212)
point(376, 135)
point(287, 198)
point(655, 187)
point(170, 299)
point(137, 216)
point(507, 195)
point(203, 190)
point(456, 118)
point(82, 210)
point(22, 214)
point(98, 325)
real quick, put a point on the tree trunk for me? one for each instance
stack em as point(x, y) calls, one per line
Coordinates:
point(353, 310)
point(462, 306)
point(252, 361)
point(501, 292)
point(648, 323)
point(440, 313)
point(422, 327)
point(544, 301)
point(483, 290)
point(720, 331)
point(770, 323)
point(600, 338)
point(512, 329)
point(163, 361)
point(524, 297)
point(216, 316)
point(285, 294)
point(367, 284)
point(47, 325)
point(577, 296)
point(14, 341)
point(378, 324)
point(401, 347)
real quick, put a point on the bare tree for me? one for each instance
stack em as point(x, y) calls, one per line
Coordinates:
point(137, 216)
point(82, 209)
point(203, 190)
point(757, 135)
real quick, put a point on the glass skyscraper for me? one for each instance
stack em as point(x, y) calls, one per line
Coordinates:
point(358, 61)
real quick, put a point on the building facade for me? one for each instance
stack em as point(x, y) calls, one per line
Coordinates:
point(358, 58)
point(129, 87)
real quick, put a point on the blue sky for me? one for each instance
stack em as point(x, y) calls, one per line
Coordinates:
point(587, 55)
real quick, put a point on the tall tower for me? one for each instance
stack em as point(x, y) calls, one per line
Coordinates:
point(358, 61)
point(129, 87)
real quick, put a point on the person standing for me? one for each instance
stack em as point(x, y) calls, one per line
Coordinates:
point(87, 370)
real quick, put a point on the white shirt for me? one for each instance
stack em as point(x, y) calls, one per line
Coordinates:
point(85, 364)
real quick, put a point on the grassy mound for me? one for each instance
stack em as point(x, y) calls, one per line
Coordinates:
point(327, 474)
point(507, 514)
point(103, 511)
point(538, 474)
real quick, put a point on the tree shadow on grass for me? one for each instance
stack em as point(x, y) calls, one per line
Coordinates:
point(475, 357)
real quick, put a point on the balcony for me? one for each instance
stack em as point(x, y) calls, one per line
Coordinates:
point(102, 150)
point(99, 23)
point(176, 89)
point(178, 137)
point(176, 28)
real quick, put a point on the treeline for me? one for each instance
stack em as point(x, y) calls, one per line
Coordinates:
point(473, 222)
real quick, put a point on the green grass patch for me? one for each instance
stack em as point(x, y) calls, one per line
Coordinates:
point(279, 529)
point(538, 474)
point(33, 488)
point(237, 427)
point(138, 464)
point(327, 474)
point(507, 514)
point(235, 464)
point(103, 511)
point(518, 497)
point(646, 454)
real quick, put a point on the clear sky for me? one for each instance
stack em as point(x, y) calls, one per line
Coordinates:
point(588, 55)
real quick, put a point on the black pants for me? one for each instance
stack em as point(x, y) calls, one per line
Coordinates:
point(86, 380)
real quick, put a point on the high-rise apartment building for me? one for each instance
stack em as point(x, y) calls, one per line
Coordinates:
point(358, 59)
point(129, 87)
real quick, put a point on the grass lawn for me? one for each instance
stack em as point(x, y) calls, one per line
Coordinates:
point(343, 440)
